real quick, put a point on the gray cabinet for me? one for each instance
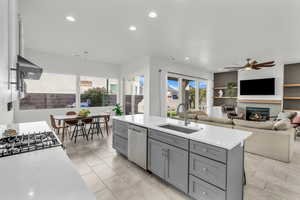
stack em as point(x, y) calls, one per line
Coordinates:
point(169, 139)
point(215, 173)
point(209, 151)
point(204, 191)
point(177, 168)
point(120, 137)
point(156, 158)
point(169, 163)
point(209, 170)
point(120, 144)
point(120, 128)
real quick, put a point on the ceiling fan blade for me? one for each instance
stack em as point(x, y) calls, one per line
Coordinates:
point(268, 65)
point(232, 67)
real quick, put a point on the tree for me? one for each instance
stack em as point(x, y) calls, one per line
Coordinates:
point(95, 97)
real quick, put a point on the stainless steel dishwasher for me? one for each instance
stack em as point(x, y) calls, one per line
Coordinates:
point(137, 145)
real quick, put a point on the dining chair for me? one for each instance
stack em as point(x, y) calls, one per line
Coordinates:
point(78, 127)
point(105, 123)
point(95, 127)
point(56, 127)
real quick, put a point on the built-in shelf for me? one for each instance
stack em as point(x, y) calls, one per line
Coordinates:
point(292, 85)
point(222, 88)
point(292, 110)
point(260, 101)
point(291, 98)
point(225, 97)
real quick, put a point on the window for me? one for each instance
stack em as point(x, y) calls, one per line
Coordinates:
point(202, 95)
point(51, 91)
point(189, 95)
point(173, 96)
point(134, 95)
point(98, 92)
point(182, 89)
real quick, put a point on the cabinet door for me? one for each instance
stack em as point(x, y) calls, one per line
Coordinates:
point(120, 144)
point(177, 168)
point(156, 158)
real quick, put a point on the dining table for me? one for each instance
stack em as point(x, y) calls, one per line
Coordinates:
point(98, 116)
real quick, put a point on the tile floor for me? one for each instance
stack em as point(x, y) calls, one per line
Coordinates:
point(111, 177)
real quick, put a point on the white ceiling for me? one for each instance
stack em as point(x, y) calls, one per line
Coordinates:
point(213, 33)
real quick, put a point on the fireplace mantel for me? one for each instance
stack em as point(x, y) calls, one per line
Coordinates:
point(262, 101)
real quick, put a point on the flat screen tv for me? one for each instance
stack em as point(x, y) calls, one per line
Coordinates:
point(258, 87)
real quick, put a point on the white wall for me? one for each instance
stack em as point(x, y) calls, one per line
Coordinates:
point(273, 72)
point(159, 63)
point(8, 12)
point(53, 63)
point(137, 67)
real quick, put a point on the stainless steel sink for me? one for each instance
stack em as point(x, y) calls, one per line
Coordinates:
point(178, 128)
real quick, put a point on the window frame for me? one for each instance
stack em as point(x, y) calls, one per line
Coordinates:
point(197, 92)
point(77, 94)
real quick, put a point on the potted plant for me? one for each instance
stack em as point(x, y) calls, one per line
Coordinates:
point(118, 110)
point(230, 88)
point(84, 112)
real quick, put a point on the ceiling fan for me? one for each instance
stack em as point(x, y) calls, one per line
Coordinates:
point(252, 65)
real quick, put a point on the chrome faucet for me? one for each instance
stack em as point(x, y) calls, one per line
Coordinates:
point(185, 109)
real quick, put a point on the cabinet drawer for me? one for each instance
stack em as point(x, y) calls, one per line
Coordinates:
point(120, 128)
point(199, 189)
point(169, 139)
point(120, 144)
point(209, 151)
point(211, 171)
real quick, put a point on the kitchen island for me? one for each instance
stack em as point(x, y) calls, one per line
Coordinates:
point(46, 174)
point(205, 162)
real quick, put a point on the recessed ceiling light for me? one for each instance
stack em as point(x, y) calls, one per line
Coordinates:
point(152, 14)
point(187, 58)
point(132, 28)
point(70, 18)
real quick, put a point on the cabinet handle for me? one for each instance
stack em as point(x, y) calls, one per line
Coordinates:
point(204, 169)
point(194, 164)
point(193, 187)
point(168, 157)
point(149, 155)
point(204, 193)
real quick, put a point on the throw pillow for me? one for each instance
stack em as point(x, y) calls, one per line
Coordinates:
point(268, 125)
point(282, 115)
point(203, 118)
point(282, 125)
point(291, 115)
point(296, 120)
point(221, 120)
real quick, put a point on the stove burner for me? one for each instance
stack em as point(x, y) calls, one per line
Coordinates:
point(25, 143)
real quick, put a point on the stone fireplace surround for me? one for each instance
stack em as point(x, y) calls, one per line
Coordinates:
point(275, 109)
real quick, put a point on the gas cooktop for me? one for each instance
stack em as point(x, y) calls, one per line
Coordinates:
point(27, 142)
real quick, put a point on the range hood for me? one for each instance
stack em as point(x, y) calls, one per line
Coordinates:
point(28, 70)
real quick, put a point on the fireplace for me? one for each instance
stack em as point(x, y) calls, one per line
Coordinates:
point(257, 114)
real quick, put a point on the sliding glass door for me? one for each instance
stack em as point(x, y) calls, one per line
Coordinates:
point(173, 99)
point(191, 91)
point(202, 87)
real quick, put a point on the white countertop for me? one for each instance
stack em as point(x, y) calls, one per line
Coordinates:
point(41, 175)
point(214, 135)
point(26, 128)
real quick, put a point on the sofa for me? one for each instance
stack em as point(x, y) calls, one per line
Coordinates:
point(267, 141)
